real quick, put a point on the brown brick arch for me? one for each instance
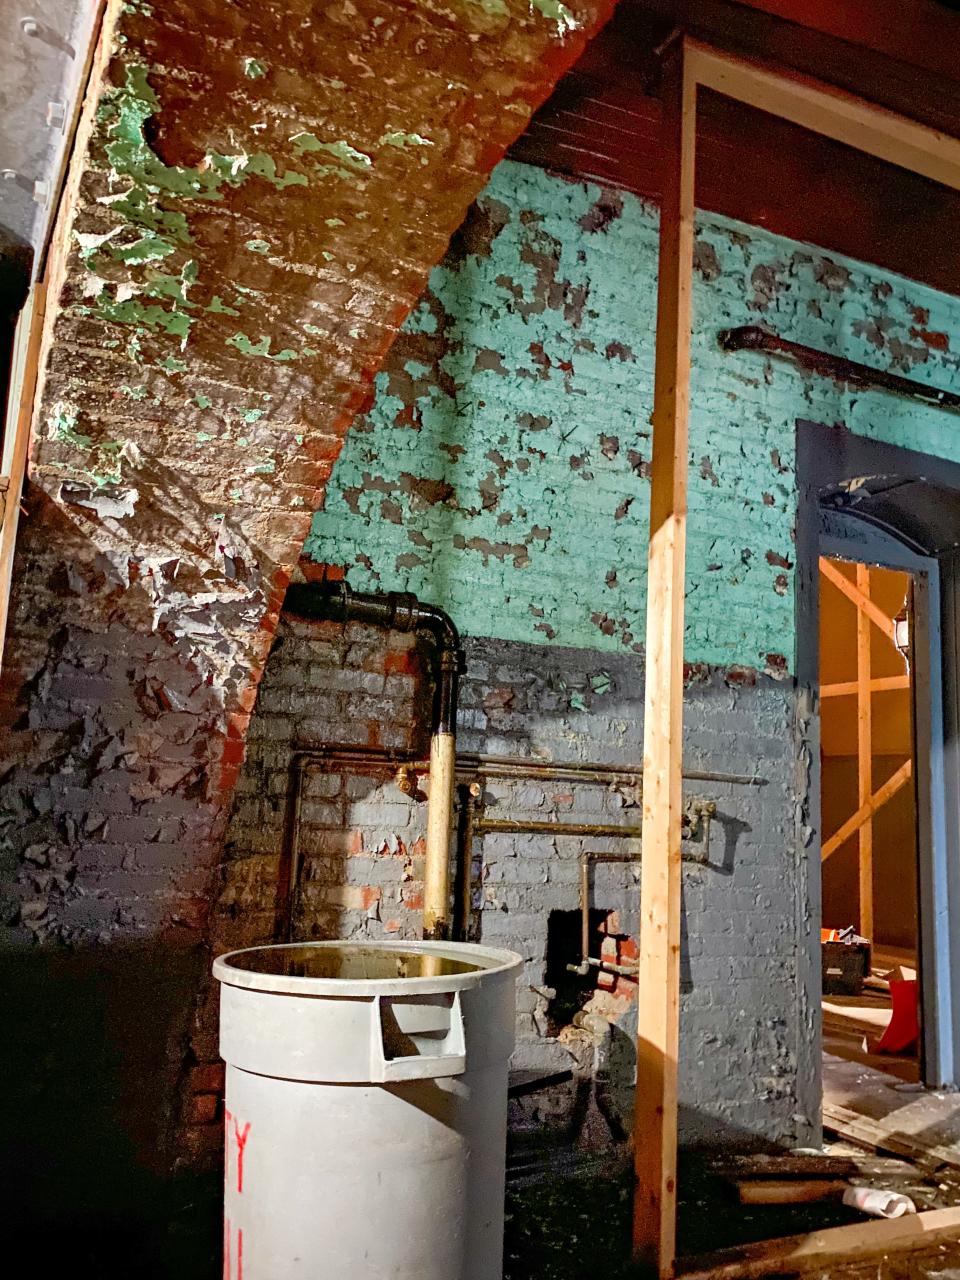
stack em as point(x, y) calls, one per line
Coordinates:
point(259, 191)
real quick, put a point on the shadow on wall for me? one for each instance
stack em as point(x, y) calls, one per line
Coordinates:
point(87, 1047)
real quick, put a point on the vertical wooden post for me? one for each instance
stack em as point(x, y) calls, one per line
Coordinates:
point(864, 754)
point(16, 436)
point(655, 1122)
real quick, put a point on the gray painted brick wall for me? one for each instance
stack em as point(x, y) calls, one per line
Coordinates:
point(748, 1033)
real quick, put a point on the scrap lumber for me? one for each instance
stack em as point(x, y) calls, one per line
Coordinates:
point(798, 1254)
point(785, 1166)
point(789, 1190)
point(868, 1132)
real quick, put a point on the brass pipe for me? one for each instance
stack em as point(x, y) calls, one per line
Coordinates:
point(487, 826)
point(436, 872)
point(586, 960)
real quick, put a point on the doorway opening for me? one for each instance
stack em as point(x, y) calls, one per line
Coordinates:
point(870, 941)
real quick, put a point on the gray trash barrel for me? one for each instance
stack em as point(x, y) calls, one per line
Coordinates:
point(365, 1109)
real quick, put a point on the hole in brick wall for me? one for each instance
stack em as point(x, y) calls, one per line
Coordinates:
point(563, 948)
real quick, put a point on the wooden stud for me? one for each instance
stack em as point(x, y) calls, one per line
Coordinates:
point(856, 597)
point(16, 437)
point(867, 810)
point(867, 127)
point(878, 684)
point(658, 978)
point(864, 755)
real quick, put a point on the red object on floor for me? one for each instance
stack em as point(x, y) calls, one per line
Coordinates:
point(903, 1029)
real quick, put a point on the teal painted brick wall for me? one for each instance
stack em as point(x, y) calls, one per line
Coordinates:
point(502, 469)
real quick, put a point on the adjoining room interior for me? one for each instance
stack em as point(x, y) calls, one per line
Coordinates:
point(868, 814)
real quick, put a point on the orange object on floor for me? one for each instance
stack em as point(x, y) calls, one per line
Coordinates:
point(903, 1029)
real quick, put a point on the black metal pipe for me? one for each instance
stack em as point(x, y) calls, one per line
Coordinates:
point(755, 337)
point(392, 611)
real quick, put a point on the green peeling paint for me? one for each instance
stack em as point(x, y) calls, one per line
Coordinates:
point(253, 415)
point(397, 139)
point(349, 157)
point(505, 477)
point(135, 393)
point(152, 231)
point(258, 246)
point(102, 462)
point(172, 365)
point(219, 307)
point(493, 8)
point(247, 347)
point(556, 12)
point(202, 401)
point(254, 68)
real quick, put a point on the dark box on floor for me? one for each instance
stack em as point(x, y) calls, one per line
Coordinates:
point(846, 965)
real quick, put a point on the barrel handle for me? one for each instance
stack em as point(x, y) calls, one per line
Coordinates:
point(451, 1061)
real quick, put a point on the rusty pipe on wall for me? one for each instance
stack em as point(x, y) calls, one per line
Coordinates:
point(401, 611)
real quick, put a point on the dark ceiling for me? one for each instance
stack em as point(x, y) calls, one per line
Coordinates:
point(602, 123)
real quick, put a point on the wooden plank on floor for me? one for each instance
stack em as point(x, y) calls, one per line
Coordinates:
point(866, 1106)
point(833, 1246)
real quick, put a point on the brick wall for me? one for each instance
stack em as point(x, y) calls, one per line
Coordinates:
point(748, 1061)
point(257, 195)
point(502, 469)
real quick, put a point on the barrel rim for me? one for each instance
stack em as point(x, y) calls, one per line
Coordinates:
point(499, 962)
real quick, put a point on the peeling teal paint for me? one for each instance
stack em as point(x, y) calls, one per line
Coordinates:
point(202, 401)
point(502, 471)
point(258, 246)
point(254, 68)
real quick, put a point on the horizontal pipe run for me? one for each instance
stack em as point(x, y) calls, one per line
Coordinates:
point(489, 826)
point(755, 337)
point(469, 765)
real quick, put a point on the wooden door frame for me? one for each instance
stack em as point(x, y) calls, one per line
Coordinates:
point(688, 66)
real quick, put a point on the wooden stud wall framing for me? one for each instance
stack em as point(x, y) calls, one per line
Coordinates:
point(16, 435)
point(688, 64)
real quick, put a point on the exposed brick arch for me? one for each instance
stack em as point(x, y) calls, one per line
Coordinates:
point(259, 193)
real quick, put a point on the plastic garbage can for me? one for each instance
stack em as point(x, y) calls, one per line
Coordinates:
point(365, 1109)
